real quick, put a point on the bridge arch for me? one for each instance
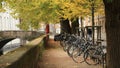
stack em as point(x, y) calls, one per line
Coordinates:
point(5, 41)
point(9, 44)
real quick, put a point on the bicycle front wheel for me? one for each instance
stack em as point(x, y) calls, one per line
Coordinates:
point(62, 43)
point(89, 57)
point(70, 50)
point(77, 55)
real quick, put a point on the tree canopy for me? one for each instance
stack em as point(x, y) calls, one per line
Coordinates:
point(32, 12)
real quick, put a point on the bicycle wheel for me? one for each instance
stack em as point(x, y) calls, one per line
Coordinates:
point(65, 47)
point(70, 50)
point(104, 61)
point(89, 57)
point(62, 43)
point(77, 55)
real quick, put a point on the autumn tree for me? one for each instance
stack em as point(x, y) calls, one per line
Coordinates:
point(81, 8)
point(72, 10)
point(31, 13)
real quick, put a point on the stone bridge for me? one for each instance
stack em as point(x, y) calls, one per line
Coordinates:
point(7, 36)
point(19, 34)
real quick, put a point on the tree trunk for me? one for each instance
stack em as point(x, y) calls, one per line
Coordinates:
point(75, 25)
point(65, 26)
point(112, 25)
point(81, 20)
point(93, 23)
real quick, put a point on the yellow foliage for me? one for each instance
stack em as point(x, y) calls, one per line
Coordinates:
point(52, 10)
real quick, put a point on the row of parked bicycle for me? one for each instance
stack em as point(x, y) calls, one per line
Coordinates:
point(82, 50)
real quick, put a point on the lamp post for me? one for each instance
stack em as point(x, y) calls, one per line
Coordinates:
point(92, 13)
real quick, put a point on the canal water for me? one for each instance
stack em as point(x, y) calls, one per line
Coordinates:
point(12, 45)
